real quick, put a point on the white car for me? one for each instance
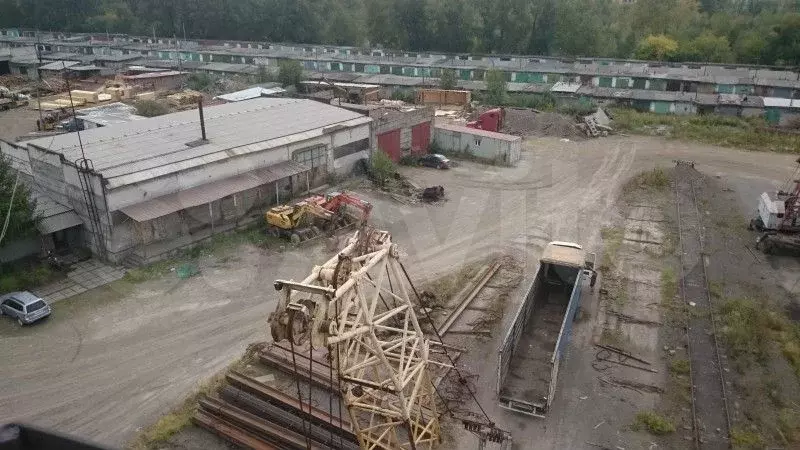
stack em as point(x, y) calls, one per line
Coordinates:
point(24, 306)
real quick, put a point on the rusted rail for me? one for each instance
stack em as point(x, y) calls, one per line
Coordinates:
point(281, 436)
point(316, 377)
point(710, 414)
point(292, 405)
point(231, 432)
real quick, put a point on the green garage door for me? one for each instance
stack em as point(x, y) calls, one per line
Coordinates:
point(661, 107)
point(772, 116)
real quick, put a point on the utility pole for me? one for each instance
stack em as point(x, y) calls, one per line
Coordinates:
point(39, 78)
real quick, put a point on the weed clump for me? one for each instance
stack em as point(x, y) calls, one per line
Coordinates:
point(653, 423)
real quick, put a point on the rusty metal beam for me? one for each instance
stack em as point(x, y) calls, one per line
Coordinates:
point(283, 437)
point(231, 432)
point(292, 405)
point(451, 319)
point(317, 378)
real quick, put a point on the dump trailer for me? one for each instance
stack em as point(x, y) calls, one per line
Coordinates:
point(535, 343)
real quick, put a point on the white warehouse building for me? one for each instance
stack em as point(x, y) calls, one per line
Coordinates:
point(143, 189)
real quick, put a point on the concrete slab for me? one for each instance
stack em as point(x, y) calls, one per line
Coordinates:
point(83, 275)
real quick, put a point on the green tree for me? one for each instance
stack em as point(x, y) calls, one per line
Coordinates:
point(708, 47)
point(657, 47)
point(496, 87)
point(290, 72)
point(20, 211)
point(750, 46)
point(263, 75)
point(200, 81)
point(783, 46)
point(382, 167)
point(448, 79)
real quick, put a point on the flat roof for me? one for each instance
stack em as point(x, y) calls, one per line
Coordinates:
point(477, 132)
point(157, 74)
point(250, 93)
point(144, 149)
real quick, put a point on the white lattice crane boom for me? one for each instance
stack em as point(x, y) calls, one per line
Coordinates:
point(357, 305)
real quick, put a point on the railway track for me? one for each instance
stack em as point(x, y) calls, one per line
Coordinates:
point(710, 414)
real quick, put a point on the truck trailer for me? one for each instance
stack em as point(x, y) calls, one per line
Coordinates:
point(535, 343)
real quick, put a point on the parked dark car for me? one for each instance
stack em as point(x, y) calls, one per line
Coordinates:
point(435, 160)
point(24, 306)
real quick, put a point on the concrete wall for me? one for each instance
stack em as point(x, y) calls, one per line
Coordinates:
point(499, 151)
point(683, 108)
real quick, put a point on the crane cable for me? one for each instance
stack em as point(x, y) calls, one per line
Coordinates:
point(297, 383)
point(461, 378)
point(10, 207)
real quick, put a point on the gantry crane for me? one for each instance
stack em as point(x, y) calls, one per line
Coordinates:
point(357, 305)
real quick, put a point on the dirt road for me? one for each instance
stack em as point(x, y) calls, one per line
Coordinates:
point(111, 362)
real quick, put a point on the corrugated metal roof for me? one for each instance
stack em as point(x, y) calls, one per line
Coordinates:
point(563, 86)
point(144, 149)
point(46, 206)
point(59, 65)
point(250, 93)
point(199, 195)
point(477, 132)
point(53, 215)
point(59, 222)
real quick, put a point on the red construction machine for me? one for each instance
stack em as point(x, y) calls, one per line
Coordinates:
point(490, 120)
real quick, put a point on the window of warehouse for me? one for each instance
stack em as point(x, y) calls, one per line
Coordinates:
point(311, 157)
point(349, 149)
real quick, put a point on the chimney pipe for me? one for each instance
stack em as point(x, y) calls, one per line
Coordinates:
point(202, 120)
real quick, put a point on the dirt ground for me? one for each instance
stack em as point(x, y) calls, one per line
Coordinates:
point(110, 362)
point(17, 122)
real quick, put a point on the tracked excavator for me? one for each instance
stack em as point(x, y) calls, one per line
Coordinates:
point(316, 215)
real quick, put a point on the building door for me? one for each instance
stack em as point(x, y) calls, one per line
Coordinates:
point(420, 138)
point(389, 142)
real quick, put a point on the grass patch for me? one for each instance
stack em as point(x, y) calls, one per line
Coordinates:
point(715, 289)
point(612, 238)
point(656, 179)
point(669, 284)
point(744, 439)
point(612, 338)
point(157, 434)
point(789, 424)
point(680, 366)
point(745, 133)
point(27, 278)
point(751, 326)
point(653, 423)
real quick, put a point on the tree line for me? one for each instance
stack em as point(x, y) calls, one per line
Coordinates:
point(745, 31)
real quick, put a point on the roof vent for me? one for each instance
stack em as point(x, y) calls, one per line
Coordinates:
point(202, 139)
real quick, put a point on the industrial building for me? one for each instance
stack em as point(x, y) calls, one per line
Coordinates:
point(497, 148)
point(399, 131)
point(146, 188)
